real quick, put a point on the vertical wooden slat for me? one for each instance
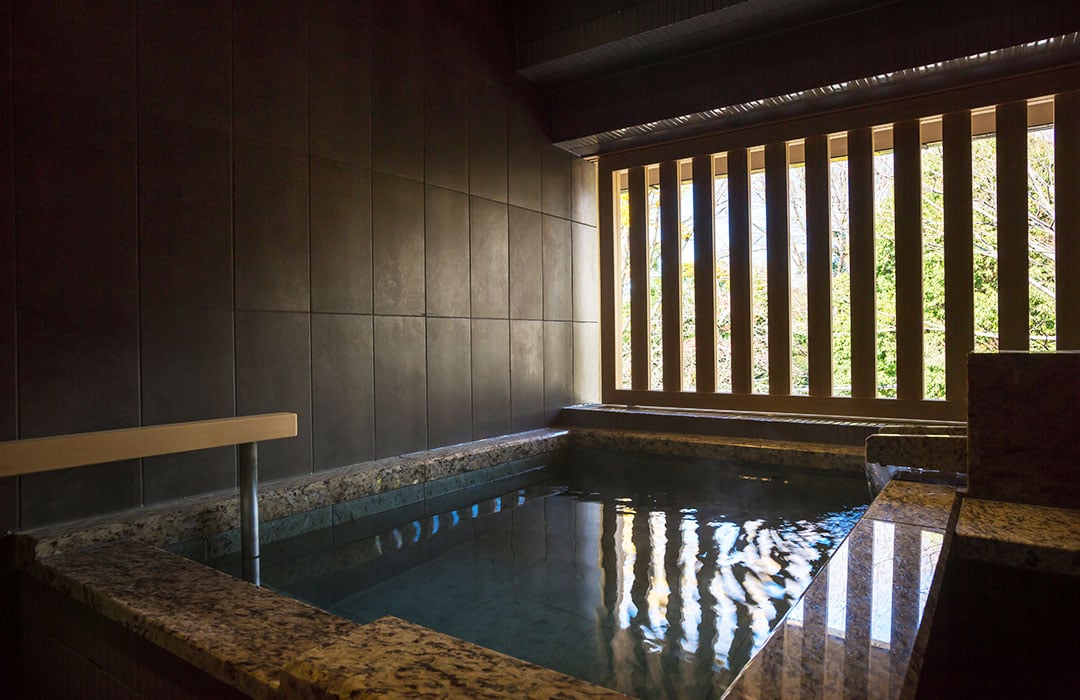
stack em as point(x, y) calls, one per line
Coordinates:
point(818, 266)
point(608, 202)
point(959, 298)
point(639, 282)
point(739, 247)
point(1067, 219)
point(778, 246)
point(861, 241)
point(909, 288)
point(1012, 231)
point(670, 276)
point(704, 275)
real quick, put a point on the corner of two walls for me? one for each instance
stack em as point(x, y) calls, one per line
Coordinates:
point(349, 213)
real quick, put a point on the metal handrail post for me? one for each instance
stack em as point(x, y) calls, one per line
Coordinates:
point(248, 481)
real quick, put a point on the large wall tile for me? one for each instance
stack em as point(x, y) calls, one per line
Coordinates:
point(185, 61)
point(449, 381)
point(271, 227)
point(558, 272)
point(526, 375)
point(526, 264)
point(270, 71)
point(7, 165)
point(187, 363)
point(8, 382)
point(9, 503)
point(558, 367)
point(340, 237)
point(273, 374)
point(397, 108)
point(76, 48)
point(586, 363)
point(491, 377)
point(490, 258)
point(400, 385)
point(343, 407)
point(76, 203)
point(523, 151)
point(9, 486)
point(446, 215)
point(397, 244)
point(446, 133)
point(70, 494)
point(586, 264)
point(487, 141)
point(78, 370)
point(185, 215)
point(555, 181)
point(583, 191)
point(340, 78)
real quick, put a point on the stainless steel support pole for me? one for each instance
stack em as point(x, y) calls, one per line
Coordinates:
point(248, 479)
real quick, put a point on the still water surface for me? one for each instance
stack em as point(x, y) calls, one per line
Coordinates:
point(657, 585)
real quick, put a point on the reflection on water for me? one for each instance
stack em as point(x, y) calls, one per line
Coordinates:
point(853, 632)
point(710, 591)
point(652, 590)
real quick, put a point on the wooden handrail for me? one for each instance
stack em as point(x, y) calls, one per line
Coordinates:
point(81, 449)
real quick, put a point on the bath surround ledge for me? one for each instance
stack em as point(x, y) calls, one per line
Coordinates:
point(267, 645)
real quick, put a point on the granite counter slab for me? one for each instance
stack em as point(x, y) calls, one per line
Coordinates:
point(270, 646)
point(1040, 538)
point(209, 515)
point(846, 642)
point(790, 454)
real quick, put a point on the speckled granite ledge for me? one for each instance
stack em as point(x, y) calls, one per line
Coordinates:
point(938, 452)
point(789, 454)
point(889, 550)
point(395, 658)
point(719, 423)
point(270, 646)
point(922, 505)
point(1015, 534)
point(1023, 409)
point(205, 516)
point(954, 428)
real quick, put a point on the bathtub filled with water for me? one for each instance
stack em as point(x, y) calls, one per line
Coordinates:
point(656, 576)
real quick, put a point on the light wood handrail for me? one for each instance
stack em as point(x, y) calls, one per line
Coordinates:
point(81, 449)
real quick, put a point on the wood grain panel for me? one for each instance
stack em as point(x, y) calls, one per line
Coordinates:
point(818, 266)
point(739, 246)
point(639, 281)
point(959, 298)
point(670, 276)
point(704, 274)
point(909, 292)
point(1012, 231)
point(861, 240)
point(778, 245)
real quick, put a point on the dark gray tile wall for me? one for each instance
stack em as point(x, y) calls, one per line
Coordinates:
point(489, 258)
point(491, 377)
point(273, 373)
point(187, 374)
point(345, 210)
point(400, 385)
point(449, 377)
point(340, 236)
point(342, 386)
point(526, 264)
point(446, 224)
